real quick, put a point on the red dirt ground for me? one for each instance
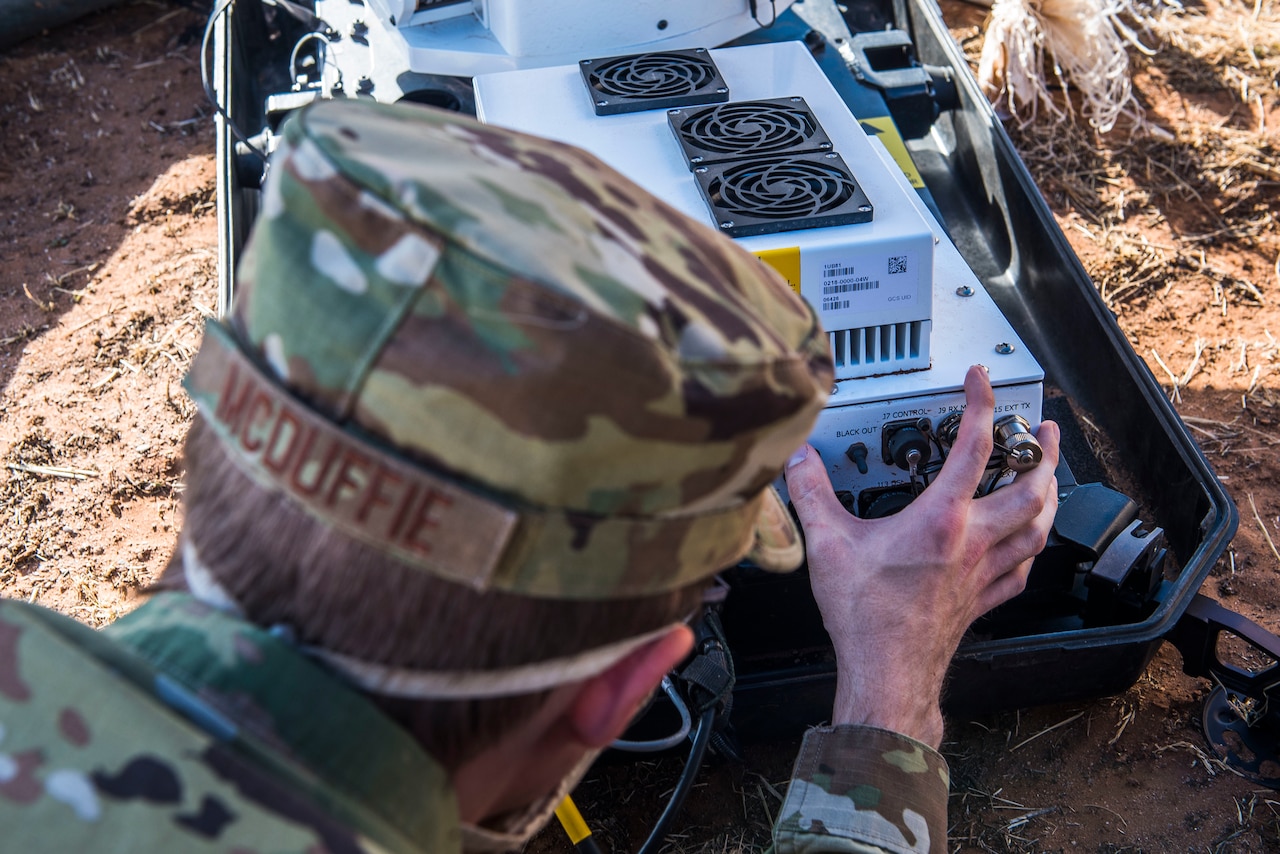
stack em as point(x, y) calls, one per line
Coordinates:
point(109, 241)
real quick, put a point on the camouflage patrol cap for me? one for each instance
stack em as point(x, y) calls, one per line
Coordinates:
point(498, 359)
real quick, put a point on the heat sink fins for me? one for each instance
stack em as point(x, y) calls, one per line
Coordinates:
point(877, 345)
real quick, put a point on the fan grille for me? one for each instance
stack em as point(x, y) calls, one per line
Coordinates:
point(782, 194)
point(653, 81)
point(748, 129)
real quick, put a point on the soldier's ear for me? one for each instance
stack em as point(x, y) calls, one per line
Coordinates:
point(606, 703)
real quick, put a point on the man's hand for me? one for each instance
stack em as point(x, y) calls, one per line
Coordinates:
point(897, 594)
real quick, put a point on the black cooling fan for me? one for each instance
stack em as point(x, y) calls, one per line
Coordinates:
point(782, 194)
point(747, 129)
point(653, 81)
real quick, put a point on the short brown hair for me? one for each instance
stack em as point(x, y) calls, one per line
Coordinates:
point(285, 567)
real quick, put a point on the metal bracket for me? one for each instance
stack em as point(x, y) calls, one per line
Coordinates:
point(885, 59)
point(1128, 571)
point(916, 93)
point(1196, 637)
point(1245, 734)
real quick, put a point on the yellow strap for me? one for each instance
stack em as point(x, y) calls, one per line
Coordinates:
point(883, 127)
point(572, 821)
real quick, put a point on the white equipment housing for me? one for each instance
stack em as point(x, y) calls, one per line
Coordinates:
point(871, 282)
point(905, 313)
point(468, 37)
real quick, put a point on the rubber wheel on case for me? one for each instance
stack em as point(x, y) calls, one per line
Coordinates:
point(1251, 751)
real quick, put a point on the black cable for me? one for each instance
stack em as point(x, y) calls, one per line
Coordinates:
point(710, 678)
point(991, 487)
point(697, 752)
point(773, 4)
point(209, 92)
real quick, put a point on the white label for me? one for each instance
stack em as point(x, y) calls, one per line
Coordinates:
point(865, 283)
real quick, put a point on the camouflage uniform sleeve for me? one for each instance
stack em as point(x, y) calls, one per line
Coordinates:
point(864, 790)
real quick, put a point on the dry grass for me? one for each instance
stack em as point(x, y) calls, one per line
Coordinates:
point(1214, 160)
point(1216, 157)
point(1175, 214)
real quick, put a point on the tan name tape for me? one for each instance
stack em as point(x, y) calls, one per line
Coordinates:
point(438, 525)
point(370, 494)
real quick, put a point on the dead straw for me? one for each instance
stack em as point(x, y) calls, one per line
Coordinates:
point(1265, 533)
point(53, 471)
point(1174, 395)
point(93, 319)
point(1047, 729)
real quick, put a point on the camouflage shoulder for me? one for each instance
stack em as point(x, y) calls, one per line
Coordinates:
point(864, 790)
point(89, 761)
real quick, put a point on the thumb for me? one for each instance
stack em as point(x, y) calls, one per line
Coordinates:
point(810, 488)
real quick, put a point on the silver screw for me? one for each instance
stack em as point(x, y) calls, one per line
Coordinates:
point(721, 90)
point(864, 208)
point(1004, 348)
point(964, 291)
point(602, 103)
point(700, 170)
point(728, 223)
point(585, 61)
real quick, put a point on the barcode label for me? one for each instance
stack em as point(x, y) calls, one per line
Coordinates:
point(850, 287)
point(897, 264)
point(834, 304)
point(836, 272)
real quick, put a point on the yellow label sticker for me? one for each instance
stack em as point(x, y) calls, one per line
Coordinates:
point(884, 128)
point(786, 262)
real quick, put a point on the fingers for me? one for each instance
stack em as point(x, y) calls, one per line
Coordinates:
point(967, 460)
point(1003, 588)
point(1018, 551)
point(1031, 495)
point(810, 489)
point(1020, 545)
point(1049, 436)
point(1020, 518)
point(1013, 522)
